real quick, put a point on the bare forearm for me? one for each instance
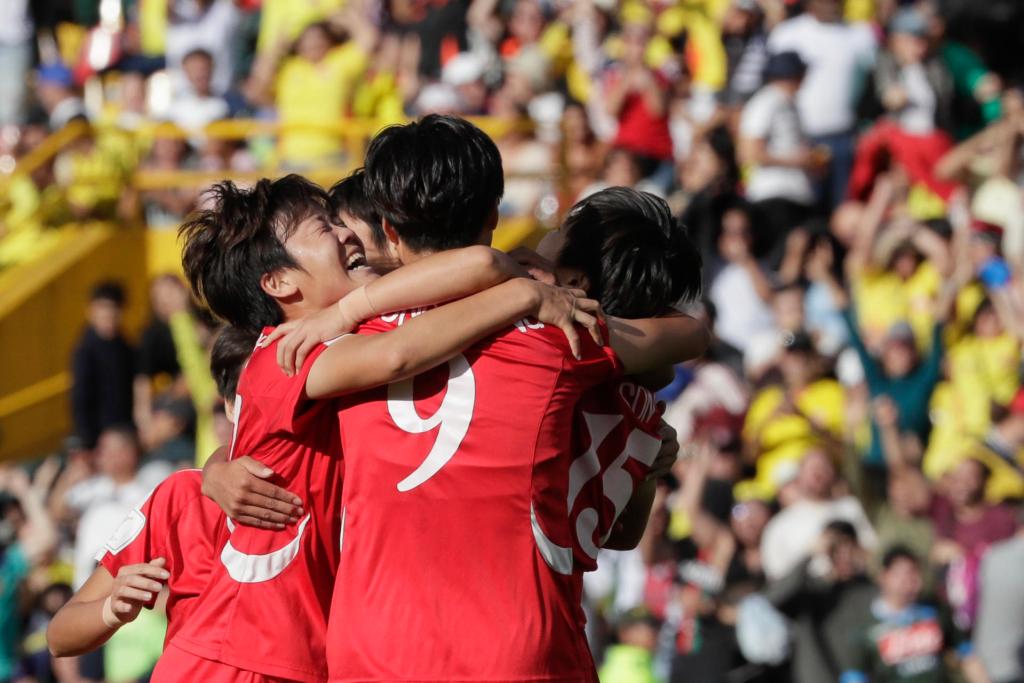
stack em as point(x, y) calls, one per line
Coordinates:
point(78, 628)
point(630, 527)
point(645, 345)
point(438, 278)
point(360, 362)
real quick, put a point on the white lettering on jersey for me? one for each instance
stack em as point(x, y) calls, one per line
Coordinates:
point(525, 325)
point(245, 568)
point(453, 416)
point(400, 317)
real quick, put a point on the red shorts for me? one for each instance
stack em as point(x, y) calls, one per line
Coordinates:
point(176, 665)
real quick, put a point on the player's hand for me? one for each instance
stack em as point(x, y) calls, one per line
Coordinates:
point(135, 586)
point(565, 308)
point(667, 455)
point(299, 337)
point(240, 489)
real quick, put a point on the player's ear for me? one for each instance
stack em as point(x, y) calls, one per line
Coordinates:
point(390, 233)
point(279, 284)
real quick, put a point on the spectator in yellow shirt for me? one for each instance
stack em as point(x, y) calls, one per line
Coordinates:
point(786, 420)
point(313, 90)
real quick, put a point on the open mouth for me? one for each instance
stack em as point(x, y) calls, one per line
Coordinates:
point(356, 261)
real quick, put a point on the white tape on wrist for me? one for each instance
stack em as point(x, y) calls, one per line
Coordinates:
point(109, 618)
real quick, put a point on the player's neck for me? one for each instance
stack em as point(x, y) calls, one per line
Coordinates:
point(414, 256)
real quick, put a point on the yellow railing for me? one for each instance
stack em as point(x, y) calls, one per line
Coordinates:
point(42, 302)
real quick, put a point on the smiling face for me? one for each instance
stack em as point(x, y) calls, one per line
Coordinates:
point(331, 262)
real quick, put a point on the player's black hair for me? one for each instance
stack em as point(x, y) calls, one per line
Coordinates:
point(437, 181)
point(638, 260)
point(232, 245)
point(349, 195)
point(230, 350)
point(108, 290)
point(897, 553)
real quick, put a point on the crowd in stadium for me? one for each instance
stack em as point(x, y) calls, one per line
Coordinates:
point(846, 502)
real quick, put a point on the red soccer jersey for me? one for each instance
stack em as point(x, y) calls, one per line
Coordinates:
point(616, 438)
point(265, 609)
point(456, 549)
point(178, 524)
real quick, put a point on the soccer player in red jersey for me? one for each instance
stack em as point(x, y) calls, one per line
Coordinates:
point(167, 542)
point(624, 248)
point(456, 558)
point(270, 254)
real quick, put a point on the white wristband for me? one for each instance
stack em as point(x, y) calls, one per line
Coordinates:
point(110, 619)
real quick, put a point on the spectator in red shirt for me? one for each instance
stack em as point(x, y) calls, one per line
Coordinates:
point(637, 96)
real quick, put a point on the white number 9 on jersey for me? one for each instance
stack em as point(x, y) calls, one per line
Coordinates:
point(454, 416)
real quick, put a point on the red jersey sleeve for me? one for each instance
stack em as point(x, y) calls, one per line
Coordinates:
point(280, 400)
point(596, 364)
point(151, 530)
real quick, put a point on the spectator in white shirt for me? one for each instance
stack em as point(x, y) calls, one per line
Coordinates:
point(103, 501)
point(198, 106)
point(790, 536)
point(839, 56)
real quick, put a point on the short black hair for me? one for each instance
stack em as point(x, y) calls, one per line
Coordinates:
point(108, 290)
point(349, 195)
point(231, 349)
point(840, 527)
point(437, 181)
point(897, 553)
point(232, 245)
point(638, 259)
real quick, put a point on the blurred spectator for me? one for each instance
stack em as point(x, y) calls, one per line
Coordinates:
point(635, 95)
point(746, 47)
point(157, 365)
point(632, 659)
point(103, 367)
point(102, 501)
point(811, 502)
point(829, 597)
point(27, 537)
point(789, 419)
point(56, 91)
point(16, 32)
point(916, 90)
point(313, 87)
point(999, 631)
point(190, 25)
point(774, 144)
point(905, 639)
point(740, 288)
point(197, 105)
point(839, 55)
point(965, 527)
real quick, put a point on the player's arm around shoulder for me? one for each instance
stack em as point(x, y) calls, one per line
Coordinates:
point(646, 345)
point(423, 341)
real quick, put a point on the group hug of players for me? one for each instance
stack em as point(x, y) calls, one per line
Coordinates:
point(430, 445)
